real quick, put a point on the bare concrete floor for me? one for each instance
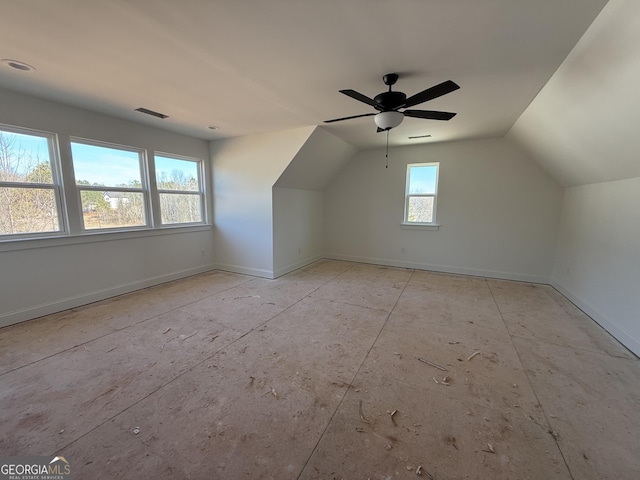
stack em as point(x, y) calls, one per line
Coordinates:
point(225, 376)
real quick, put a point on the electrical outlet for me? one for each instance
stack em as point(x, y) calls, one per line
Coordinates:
point(404, 250)
point(299, 251)
point(203, 253)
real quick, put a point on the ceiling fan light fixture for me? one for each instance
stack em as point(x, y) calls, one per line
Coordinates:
point(388, 120)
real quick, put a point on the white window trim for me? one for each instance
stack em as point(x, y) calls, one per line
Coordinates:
point(93, 236)
point(420, 226)
point(68, 201)
point(144, 189)
point(201, 192)
point(56, 185)
point(433, 225)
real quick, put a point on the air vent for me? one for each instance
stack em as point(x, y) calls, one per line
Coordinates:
point(419, 136)
point(151, 112)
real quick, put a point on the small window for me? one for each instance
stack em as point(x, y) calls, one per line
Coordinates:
point(421, 193)
point(30, 191)
point(179, 181)
point(111, 185)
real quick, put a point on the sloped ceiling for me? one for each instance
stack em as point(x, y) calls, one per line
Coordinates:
point(318, 161)
point(583, 127)
point(254, 66)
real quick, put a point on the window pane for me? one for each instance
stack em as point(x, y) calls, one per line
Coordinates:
point(175, 174)
point(108, 167)
point(28, 210)
point(422, 180)
point(180, 208)
point(112, 209)
point(24, 158)
point(420, 209)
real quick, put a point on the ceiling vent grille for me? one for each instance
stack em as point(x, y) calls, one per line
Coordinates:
point(151, 112)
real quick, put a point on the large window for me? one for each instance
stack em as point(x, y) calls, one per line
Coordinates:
point(112, 185)
point(421, 193)
point(179, 181)
point(93, 187)
point(29, 183)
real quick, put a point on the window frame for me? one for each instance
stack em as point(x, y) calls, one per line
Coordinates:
point(201, 192)
point(144, 189)
point(68, 198)
point(408, 196)
point(56, 184)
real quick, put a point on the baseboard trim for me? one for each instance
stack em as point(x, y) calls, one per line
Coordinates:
point(30, 313)
point(628, 340)
point(520, 277)
point(294, 266)
point(254, 272)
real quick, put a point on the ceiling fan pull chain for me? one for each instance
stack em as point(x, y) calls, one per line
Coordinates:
point(387, 155)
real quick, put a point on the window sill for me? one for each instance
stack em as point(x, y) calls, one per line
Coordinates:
point(420, 226)
point(56, 239)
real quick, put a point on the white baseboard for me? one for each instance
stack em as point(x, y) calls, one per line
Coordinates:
point(601, 319)
point(520, 277)
point(263, 273)
point(36, 311)
point(294, 266)
point(254, 272)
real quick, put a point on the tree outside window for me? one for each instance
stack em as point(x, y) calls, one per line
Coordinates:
point(29, 192)
point(179, 182)
point(110, 183)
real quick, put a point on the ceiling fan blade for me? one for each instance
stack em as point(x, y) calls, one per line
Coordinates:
point(429, 114)
point(431, 93)
point(360, 97)
point(349, 118)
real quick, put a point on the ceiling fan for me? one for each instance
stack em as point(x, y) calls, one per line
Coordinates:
point(389, 104)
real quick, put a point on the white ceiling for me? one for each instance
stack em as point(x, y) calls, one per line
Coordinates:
point(251, 66)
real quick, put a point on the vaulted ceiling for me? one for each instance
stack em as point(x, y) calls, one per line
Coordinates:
point(253, 66)
point(583, 126)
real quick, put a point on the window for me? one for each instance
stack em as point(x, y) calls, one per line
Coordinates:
point(112, 185)
point(30, 191)
point(109, 188)
point(179, 181)
point(421, 193)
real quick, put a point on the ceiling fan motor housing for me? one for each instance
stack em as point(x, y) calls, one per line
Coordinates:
point(389, 101)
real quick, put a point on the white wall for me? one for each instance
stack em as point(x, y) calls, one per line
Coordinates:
point(498, 211)
point(298, 219)
point(298, 200)
point(38, 277)
point(583, 129)
point(598, 255)
point(244, 172)
point(40, 280)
